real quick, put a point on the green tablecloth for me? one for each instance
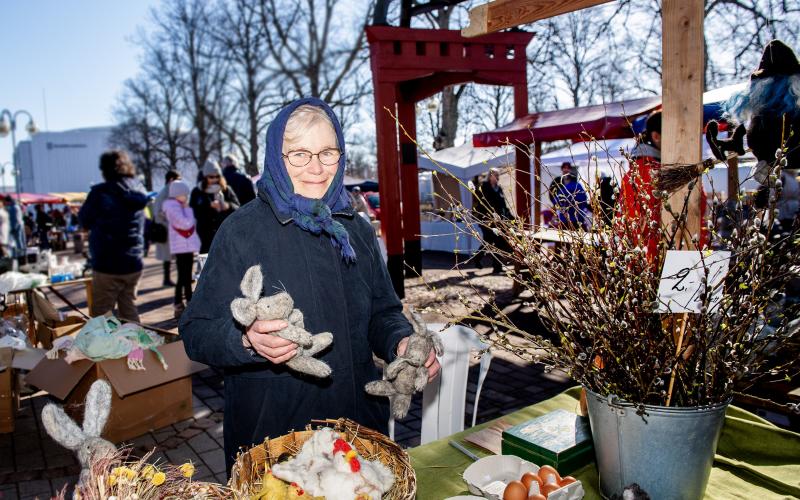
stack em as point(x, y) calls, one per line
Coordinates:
point(755, 459)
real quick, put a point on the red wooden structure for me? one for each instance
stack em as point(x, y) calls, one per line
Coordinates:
point(409, 65)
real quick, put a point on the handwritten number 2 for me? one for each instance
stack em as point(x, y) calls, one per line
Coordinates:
point(680, 276)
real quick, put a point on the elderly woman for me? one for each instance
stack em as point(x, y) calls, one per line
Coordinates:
point(309, 242)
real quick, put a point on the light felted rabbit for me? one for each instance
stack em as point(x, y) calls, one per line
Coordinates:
point(407, 374)
point(85, 442)
point(254, 307)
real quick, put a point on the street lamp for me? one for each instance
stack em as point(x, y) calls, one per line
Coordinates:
point(3, 175)
point(8, 123)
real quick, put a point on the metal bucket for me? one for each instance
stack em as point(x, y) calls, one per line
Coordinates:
point(668, 452)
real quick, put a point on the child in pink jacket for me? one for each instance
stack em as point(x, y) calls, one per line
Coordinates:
point(183, 239)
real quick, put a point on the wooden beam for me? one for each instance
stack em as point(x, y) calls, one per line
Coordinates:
point(682, 105)
point(502, 14)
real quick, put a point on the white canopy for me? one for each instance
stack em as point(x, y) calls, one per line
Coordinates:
point(466, 161)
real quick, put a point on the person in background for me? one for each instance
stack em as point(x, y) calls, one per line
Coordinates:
point(359, 203)
point(490, 203)
point(607, 201)
point(16, 229)
point(566, 169)
point(240, 183)
point(163, 252)
point(114, 215)
point(788, 204)
point(43, 222)
point(183, 240)
point(212, 202)
point(571, 203)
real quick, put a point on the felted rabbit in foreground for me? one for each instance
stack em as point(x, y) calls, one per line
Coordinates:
point(85, 442)
point(407, 374)
point(254, 307)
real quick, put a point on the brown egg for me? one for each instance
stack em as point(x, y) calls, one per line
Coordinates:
point(549, 488)
point(515, 491)
point(567, 480)
point(528, 478)
point(546, 470)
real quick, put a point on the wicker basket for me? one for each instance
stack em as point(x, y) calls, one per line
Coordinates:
point(250, 465)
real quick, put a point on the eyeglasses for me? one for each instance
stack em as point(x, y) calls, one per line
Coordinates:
point(212, 176)
point(301, 158)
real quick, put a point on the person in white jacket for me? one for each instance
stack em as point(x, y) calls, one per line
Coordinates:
point(183, 239)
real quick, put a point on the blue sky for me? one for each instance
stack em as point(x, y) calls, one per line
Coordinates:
point(78, 51)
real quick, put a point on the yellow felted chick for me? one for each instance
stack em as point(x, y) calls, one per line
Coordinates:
point(271, 489)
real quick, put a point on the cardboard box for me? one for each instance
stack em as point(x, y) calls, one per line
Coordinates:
point(8, 392)
point(142, 401)
point(560, 439)
point(46, 334)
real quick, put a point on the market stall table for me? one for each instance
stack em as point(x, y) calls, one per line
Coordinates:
point(87, 283)
point(755, 459)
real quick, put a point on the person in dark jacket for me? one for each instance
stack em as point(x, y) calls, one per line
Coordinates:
point(114, 215)
point(308, 241)
point(490, 203)
point(212, 202)
point(240, 183)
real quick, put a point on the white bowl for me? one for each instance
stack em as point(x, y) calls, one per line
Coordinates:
point(489, 476)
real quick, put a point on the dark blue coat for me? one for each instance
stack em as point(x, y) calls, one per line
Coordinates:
point(114, 215)
point(241, 184)
point(355, 302)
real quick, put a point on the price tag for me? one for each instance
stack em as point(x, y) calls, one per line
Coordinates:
point(683, 280)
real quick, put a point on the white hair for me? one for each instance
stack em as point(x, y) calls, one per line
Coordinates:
point(302, 119)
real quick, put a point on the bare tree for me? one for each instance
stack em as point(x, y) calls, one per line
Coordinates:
point(243, 39)
point(198, 72)
point(136, 133)
point(318, 48)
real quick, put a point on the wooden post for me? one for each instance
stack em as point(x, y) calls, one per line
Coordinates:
point(409, 182)
point(733, 178)
point(522, 177)
point(389, 183)
point(537, 184)
point(682, 90)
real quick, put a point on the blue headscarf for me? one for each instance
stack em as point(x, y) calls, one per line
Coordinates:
point(312, 215)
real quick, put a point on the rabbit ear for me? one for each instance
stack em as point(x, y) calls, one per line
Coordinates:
point(252, 283)
point(417, 322)
point(62, 428)
point(98, 406)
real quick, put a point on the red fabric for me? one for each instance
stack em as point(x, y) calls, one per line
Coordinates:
point(633, 205)
point(186, 233)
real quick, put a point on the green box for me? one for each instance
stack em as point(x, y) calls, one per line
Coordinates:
point(560, 438)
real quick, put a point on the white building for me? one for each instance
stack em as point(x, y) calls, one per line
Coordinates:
point(65, 161)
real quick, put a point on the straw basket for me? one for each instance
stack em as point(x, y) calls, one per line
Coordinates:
point(250, 465)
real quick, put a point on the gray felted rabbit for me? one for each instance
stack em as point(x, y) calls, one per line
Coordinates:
point(407, 374)
point(85, 442)
point(254, 307)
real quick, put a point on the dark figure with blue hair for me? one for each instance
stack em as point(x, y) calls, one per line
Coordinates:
point(309, 242)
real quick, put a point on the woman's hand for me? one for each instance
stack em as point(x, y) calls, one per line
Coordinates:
point(432, 364)
point(272, 347)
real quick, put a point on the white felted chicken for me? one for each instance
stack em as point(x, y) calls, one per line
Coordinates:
point(327, 466)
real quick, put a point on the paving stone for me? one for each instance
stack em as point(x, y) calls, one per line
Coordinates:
point(204, 423)
point(30, 461)
point(144, 442)
point(182, 454)
point(217, 416)
point(216, 404)
point(202, 412)
point(39, 487)
point(68, 481)
point(183, 424)
point(171, 443)
point(189, 433)
point(204, 392)
point(214, 460)
point(163, 434)
point(60, 460)
point(202, 443)
point(9, 492)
